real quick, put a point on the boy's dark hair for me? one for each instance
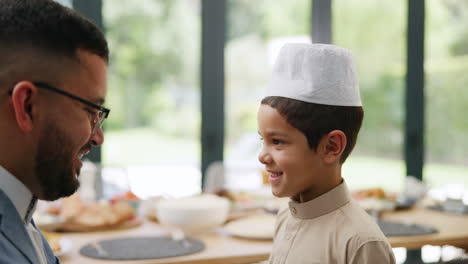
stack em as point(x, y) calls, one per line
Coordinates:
point(48, 26)
point(317, 120)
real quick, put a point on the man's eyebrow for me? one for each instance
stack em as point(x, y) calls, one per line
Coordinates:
point(98, 100)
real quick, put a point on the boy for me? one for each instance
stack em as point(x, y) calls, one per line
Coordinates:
point(309, 123)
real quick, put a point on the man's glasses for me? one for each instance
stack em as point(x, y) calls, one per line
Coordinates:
point(102, 112)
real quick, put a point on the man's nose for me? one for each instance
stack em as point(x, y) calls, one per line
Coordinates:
point(98, 138)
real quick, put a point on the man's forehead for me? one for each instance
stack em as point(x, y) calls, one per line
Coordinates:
point(91, 77)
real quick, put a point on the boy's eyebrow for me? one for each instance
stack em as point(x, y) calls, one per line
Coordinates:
point(276, 134)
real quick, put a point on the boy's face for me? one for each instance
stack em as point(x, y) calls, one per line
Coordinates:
point(291, 164)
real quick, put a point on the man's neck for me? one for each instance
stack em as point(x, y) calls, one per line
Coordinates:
point(25, 175)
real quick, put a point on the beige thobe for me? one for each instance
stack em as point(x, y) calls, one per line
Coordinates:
point(331, 229)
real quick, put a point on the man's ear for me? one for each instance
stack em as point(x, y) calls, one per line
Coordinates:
point(24, 99)
point(333, 145)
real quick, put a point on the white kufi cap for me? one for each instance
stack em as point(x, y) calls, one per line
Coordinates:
point(315, 73)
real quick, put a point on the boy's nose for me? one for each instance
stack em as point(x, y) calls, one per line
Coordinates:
point(264, 157)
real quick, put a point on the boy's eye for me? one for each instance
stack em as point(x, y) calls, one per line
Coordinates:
point(277, 141)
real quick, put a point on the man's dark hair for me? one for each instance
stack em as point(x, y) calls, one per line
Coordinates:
point(317, 120)
point(48, 26)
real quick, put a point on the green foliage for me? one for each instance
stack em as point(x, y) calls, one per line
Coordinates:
point(457, 12)
point(245, 82)
point(251, 26)
point(460, 46)
point(383, 116)
point(447, 97)
point(268, 18)
point(153, 46)
point(286, 18)
point(153, 76)
point(244, 18)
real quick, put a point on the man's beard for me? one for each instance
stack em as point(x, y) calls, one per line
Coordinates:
point(54, 164)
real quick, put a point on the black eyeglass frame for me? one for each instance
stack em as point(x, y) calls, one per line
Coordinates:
point(102, 109)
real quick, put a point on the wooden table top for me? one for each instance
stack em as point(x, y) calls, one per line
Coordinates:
point(221, 248)
point(453, 228)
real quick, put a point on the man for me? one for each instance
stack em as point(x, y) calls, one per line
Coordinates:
point(53, 65)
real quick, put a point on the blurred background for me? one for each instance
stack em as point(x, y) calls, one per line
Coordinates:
point(154, 130)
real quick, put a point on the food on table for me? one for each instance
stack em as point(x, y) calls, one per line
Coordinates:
point(47, 221)
point(377, 193)
point(77, 216)
point(149, 207)
point(226, 194)
point(99, 216)
point(54, 240)
point(375, 199)
point(252, 201)
point(126, 196)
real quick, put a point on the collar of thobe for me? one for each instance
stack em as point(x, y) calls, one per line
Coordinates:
point(322, 205)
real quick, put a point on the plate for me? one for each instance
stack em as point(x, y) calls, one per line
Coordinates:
point(65, 247)
point(253, 227)
point(59, 245)
point(403, 202)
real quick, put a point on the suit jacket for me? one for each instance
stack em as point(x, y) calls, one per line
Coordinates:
point(16, 246)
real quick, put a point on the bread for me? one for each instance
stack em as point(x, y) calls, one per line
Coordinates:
point(99, 216)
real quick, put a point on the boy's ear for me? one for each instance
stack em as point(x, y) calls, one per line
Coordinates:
point(24, 98)
point(333, 146)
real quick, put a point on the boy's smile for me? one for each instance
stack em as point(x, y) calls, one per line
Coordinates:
point(274, 177)
point(292, 166)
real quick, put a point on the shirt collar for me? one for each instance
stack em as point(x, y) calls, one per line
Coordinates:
point(324, 204)
point(19, 194)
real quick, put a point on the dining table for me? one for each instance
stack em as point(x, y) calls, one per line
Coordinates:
point(451, 228)
point(220, 247)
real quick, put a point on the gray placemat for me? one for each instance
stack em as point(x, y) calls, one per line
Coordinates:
point(440, 208)
point(455, 261)
point(398, 229)
point(133, 248)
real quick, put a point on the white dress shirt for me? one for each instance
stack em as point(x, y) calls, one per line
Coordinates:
point(25, 204)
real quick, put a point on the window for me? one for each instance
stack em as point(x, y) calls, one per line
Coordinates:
point(152, 135)
point(375, 33)
point(446, 94)
point(256, 32)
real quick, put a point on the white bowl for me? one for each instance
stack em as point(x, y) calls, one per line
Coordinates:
point(193, 214)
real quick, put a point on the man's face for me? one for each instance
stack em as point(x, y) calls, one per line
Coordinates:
point(66, 136)
point(55, 165)
point(291, 164)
